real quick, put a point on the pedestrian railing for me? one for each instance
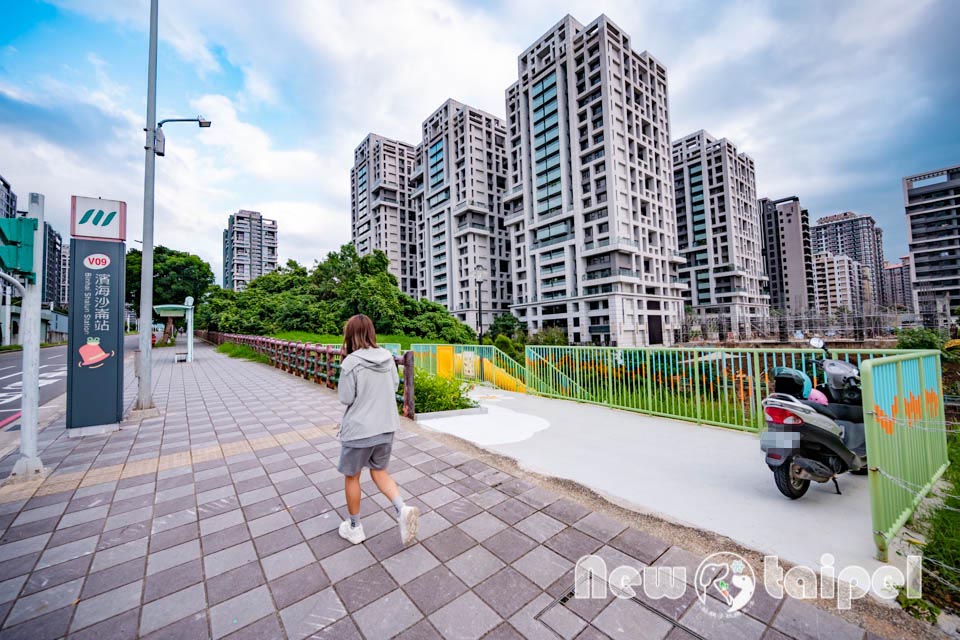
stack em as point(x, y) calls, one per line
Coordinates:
point(471, 363)
point(722, 387)
point(906, 437)
point(317, 362)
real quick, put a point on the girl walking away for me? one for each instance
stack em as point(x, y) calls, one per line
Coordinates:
point(368, 386)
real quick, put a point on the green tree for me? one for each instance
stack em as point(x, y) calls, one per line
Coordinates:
point(550, 336)
point(505, 324)
point(177, 274)
point(321, 300)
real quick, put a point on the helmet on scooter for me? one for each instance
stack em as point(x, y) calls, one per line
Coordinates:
point(792, 382)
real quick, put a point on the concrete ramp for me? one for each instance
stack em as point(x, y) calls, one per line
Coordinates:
point(705, 477)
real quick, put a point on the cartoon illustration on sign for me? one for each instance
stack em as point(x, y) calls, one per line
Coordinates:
point(92, 354)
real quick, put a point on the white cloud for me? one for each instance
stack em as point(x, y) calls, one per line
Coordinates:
point(809, 92)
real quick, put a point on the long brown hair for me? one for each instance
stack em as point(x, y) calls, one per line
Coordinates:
point(359, 333)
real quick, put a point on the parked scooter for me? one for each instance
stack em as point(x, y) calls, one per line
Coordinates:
point(807, 440)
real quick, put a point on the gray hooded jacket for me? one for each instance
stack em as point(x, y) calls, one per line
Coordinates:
point(368, 386)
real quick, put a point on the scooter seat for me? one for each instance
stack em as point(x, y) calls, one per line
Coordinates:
point(846, 412)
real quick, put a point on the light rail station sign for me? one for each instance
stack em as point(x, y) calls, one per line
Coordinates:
point(97, 282)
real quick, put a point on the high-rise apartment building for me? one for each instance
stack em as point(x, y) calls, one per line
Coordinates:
point(718, 229)
point(457, 192)
point(841, 285)
point(249, 248)
point(788, 254)
point(52, 259)
point(932, 202)
point(856, 236)
point(8, 200)
point(897, 286)
point(65, 275)
point(380, 214)
point(589, 207)
point(435, 209)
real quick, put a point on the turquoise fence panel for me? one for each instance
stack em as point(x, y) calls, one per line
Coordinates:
point(906, 437)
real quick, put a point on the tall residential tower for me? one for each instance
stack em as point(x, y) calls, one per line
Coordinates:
point(458, 184)
point(380, 214)
point(932, 202)
point(589, 207)
point(719, 231)
point(855, 236)
point(249, 248)
point(788, 254)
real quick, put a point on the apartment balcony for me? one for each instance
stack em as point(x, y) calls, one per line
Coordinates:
point(675, 256)
point(472, 205)
point(551, 241)
point(472, 227)
point(607, 244)
point(516, 193)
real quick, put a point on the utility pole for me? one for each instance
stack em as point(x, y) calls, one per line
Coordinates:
point(29, 464)
point(7, 324)
point(145, 373)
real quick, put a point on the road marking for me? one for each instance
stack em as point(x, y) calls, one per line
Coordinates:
point(7, 421)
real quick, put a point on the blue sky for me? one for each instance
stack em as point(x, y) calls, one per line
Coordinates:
point(836, 101)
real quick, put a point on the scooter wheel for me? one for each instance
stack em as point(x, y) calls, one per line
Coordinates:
point(788, 484)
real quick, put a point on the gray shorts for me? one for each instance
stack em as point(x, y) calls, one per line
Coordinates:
point(354, 459)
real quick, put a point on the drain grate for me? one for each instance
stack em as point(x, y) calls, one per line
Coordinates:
point(565, 622)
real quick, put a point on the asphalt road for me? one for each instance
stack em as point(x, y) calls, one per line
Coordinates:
point(53, 378)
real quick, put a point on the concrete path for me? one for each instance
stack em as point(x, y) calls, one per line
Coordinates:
point(218, 520)
point(709, 478)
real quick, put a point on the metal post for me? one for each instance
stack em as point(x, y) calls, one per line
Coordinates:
point(144, 391)
point(190, 334)
point(7, 324)
point(480, 311)
point(29, 465)
point(409, 404)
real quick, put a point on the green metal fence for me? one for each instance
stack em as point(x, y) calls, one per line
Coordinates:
point(474, 363)
point(906, 437)
point(722, 387)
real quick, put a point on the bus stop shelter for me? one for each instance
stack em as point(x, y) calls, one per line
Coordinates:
point(184, 310)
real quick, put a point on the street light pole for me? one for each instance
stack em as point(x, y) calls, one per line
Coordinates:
point(145, 374)
point(479, 270)
point(153, 146)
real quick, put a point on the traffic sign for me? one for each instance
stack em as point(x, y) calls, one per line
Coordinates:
point(16, 253)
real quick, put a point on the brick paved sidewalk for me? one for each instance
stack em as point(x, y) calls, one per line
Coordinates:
point(219, 520)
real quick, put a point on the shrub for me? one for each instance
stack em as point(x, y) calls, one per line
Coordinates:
point(919, 338)
point(433, 393)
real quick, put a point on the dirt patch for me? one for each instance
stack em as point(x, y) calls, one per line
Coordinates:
point(887, 621)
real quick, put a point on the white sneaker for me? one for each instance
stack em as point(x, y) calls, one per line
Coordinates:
point(409, 521)
point(352, 534)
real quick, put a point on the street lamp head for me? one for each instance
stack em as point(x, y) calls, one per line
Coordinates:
point(203, 122)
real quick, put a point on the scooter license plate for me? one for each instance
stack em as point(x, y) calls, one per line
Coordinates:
point(779, 440)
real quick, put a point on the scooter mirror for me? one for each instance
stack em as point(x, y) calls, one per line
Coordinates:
point(817, 343)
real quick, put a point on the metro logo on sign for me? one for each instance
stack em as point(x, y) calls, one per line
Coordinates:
point(96, 261)
point(98, 219)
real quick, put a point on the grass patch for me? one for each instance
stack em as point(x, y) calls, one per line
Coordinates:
point(43, 345)
point(242, 351)
point(943, 538)
point(382, 338)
